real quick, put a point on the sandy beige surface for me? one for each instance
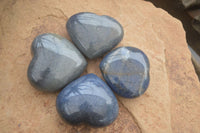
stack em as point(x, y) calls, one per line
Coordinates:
point(171, 103)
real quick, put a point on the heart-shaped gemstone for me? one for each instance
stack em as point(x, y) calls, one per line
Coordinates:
point(126, 70)
point(56, 62)
point(94, 35)
point(87, 99)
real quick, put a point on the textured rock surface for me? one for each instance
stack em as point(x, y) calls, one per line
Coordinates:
point(87, 99)
point(126, 70)
point(94, 35)
point(56, 62)
point(170, 104)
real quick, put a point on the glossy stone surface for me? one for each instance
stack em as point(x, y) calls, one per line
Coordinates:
point(56, 62)
point(94, 35)
point(126, 70)
point(87, 99)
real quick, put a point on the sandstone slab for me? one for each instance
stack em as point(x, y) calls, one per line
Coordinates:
point(171, 103)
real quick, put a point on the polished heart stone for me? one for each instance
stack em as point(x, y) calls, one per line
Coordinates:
point(87, 99)
point(94, 35)
point(56, 62)
point(126, 70)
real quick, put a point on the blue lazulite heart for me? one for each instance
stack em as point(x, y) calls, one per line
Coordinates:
point(87, 99)
point(56, 62)
point(126, 70)
point(94, 35)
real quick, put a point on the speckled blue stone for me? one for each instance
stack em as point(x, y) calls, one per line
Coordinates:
point(87, 99)
point(94, 35)
point(56, 62)
point(126, 70)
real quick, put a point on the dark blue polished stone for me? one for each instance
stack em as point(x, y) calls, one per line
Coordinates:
point(94, 35)
point(87, 99)
point(55, 63)
point(126, 70)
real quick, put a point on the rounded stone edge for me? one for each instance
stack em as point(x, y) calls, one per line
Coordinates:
point(102, 53)
point(122, 95)
point(86, 122)
point(33, 54)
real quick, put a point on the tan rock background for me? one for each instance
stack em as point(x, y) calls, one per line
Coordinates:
point(171, 103)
